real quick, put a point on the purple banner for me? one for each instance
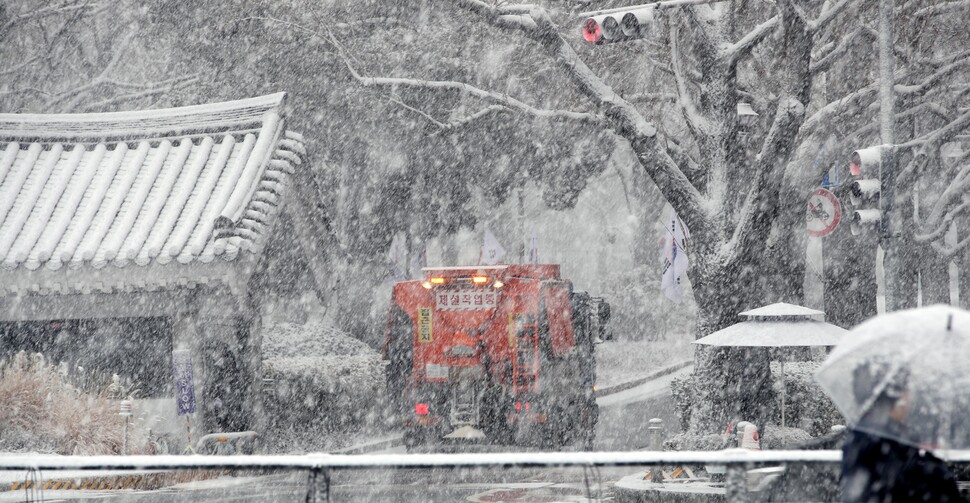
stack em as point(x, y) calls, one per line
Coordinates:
point(184, 386)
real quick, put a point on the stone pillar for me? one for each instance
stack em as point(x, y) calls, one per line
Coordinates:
point(230, 390)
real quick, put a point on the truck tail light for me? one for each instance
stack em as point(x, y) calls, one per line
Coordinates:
point(518, 406)
point(421, 409)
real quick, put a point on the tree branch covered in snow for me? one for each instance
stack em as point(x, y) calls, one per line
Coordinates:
point(456, 124)
point(508, 101)
point(742, 47)
point(943, 8)
point(70, 57)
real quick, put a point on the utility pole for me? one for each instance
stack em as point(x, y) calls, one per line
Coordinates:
point(889, 238)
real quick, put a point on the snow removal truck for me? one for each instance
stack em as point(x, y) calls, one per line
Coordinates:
point(494, 354)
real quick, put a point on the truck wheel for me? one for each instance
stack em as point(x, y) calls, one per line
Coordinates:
point(590, 416)
point(494, 423)
point(416, 439)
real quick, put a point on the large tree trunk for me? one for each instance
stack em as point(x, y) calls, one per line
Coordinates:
point(733, 384)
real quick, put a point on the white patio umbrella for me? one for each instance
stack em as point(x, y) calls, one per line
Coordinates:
point(779, 325)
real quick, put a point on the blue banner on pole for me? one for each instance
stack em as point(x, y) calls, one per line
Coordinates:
point(184, 385)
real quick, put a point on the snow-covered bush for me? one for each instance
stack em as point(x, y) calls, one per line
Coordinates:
point(806, 406)
point(326, 385)
point(777, 437)
point(693, 442)
point(42, 411)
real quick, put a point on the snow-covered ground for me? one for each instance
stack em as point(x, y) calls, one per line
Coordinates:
point(622, 361)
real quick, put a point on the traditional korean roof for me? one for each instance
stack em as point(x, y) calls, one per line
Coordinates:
point(85, 196)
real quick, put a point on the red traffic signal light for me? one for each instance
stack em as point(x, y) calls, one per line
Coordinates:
point(618, 26)
point(865, 160)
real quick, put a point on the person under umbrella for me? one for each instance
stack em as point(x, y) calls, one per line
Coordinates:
point(879, 461)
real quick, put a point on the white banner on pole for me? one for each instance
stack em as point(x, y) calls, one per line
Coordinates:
point(532, 257)
point(492, 251)
point(673, 256)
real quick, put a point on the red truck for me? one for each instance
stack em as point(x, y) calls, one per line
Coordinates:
point(500, 354)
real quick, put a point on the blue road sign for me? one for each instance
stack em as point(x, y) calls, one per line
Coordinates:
point(184, 385)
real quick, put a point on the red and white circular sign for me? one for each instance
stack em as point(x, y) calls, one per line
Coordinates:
point(824, 213)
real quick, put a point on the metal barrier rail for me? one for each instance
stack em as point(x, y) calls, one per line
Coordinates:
point(319, 466)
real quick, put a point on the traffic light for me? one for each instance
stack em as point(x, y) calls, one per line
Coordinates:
point(619, 26)
point(866, 165)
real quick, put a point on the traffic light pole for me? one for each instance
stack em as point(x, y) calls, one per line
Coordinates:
point(889, 236)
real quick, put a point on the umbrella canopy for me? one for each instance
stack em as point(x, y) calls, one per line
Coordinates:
point(778, 325)
point(782, 310)
point(906, 376)
point(776, 334)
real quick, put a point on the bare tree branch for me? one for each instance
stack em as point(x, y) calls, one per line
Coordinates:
point(75, 95)
point(155, 89)
point(695, 120)
point(468, 89)
point(942, 8)
point(622, 117)
point(35, 14)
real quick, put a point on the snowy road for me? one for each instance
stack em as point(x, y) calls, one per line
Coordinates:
point(622, 426)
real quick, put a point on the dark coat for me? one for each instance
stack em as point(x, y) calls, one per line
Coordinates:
point(876, 469)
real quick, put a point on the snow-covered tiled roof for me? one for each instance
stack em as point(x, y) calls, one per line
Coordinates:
point(96, 192)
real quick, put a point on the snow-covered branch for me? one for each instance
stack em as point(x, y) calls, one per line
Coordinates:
point(767, 179)
point(950, 252)
point(36, 14)
point(934, 78)
point(470, 90)
point(828, 15)
point(621, 116)
point(450, 126)
point(941, 230)
point(942, 8)
point(651, 97)
point(742, 47)
point(75, 95)
point(941, 135)
point(914, 111)
point(823, 63)
point(695, 120)
point(151, 89)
